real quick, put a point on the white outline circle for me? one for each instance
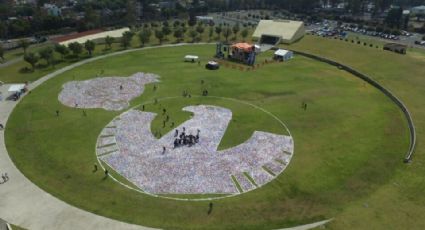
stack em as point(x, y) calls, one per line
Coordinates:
point(197, 199)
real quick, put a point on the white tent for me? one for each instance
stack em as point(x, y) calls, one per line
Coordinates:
point(283, 55)
point(191, 58)
point(16, 87)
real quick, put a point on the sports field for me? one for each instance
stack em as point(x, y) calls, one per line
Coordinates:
point(349, 142)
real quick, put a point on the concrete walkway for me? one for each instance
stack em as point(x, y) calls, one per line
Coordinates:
point(10, 62)
point(24, 204)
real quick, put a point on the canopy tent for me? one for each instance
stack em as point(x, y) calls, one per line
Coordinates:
point(243, 46)
point(283, 55)
point(191, 58)
point(212, 65)
point(16, 87)
point(243, 52)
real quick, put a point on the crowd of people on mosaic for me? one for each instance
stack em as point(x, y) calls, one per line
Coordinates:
point(185, 140)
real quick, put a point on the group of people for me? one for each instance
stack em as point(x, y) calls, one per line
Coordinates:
point(5, 178)
point(185, 140)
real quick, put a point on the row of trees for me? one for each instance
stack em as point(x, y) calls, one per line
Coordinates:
point(179, 32)
point(47, 54)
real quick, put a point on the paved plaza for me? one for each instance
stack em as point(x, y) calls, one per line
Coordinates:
point(110, 93)
point(156, 166)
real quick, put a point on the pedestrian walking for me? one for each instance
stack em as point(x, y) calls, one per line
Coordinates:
point(95, 167)
point(57, 113)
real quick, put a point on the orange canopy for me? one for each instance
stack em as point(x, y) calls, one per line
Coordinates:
point(243, 46)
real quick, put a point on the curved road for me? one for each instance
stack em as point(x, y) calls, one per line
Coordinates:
point(26, 205)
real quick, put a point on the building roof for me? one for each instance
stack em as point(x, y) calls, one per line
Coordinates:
point(16, 87)
point(243, 46)
point(419, 7)
point(285, 29)
point(281, 52)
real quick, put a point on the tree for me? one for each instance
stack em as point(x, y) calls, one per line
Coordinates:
point(166, 30)
point(144, 36)
point(91, 19)
point(210, 33)
point(244, 34)
point(126, 39)
point(24, 44)
point(47, 55)
point(192, 18)
point(394, 17)
point(90, 46)
point(131, 16)
point(193, 34)
point(227, 32)
point(108, 41)
point(32, 59)
point(76, 48)
point(218, 31)
point(159, 35)
point(178, 34)
point(62, 50)
point(236, 28)
point(200, 29)
point(1, 53)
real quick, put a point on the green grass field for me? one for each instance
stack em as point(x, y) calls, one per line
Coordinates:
point(349, 144)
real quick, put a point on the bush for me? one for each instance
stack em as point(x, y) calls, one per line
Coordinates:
point(371, 45)
point(358, 42)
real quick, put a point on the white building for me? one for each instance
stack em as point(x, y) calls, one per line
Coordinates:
point(282, 31)
point(283, 55)
point(418, 10)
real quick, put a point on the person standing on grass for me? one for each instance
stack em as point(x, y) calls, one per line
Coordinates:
point(210, 208)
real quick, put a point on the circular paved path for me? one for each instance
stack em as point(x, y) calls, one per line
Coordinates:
point(26, 205)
